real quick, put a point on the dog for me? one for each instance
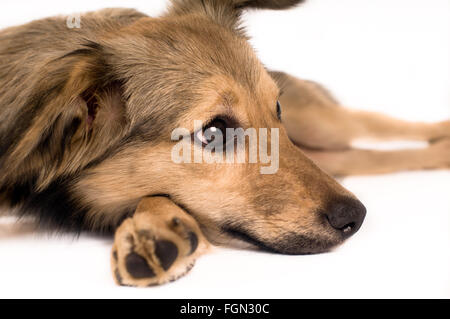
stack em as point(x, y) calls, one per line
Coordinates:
point(86, 120)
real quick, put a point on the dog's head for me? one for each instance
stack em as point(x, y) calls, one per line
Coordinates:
point(139, 83)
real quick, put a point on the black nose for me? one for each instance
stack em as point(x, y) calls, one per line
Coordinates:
point(346, 215)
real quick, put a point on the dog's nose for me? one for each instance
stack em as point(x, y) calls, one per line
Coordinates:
point(346, 215)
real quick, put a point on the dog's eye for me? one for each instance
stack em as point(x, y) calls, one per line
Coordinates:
point(279, 110)
point(210, 131)
point(214, 134)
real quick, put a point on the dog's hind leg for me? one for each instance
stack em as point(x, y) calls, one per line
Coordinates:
point(325, 130)
point(160, 243)
point(361, 162)
point(314, 119)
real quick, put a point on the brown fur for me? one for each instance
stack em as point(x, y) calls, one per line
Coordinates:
point(86, 116)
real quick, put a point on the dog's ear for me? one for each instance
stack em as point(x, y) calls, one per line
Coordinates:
point(226, 12)
point(94, 92)
point(77, 113)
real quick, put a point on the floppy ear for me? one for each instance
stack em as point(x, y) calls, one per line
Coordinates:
point(79, 114)
point(227, 12)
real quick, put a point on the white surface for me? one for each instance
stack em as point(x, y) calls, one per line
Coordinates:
point(391, 56)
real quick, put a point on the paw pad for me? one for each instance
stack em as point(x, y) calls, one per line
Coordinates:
point(138, 267)
point(193, 239)
point(167, 253)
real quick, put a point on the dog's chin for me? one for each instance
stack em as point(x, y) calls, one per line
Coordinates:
point(291, 244)
point(304, 246)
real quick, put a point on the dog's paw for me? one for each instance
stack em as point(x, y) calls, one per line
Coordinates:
point(158, 244)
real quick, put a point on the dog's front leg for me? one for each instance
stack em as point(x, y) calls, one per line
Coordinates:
point(160, 243)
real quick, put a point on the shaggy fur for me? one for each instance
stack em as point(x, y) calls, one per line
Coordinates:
point(86, 117)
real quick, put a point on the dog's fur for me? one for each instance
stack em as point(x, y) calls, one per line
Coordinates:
point(85, 122)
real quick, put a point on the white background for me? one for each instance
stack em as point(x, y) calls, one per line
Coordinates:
point(391, 56)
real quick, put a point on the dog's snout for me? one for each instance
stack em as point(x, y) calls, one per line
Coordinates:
point(346, 216)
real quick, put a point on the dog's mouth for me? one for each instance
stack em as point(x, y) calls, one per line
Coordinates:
point(245, 237)
point(290, 244)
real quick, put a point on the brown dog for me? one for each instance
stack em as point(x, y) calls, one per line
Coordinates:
point(86, 120)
